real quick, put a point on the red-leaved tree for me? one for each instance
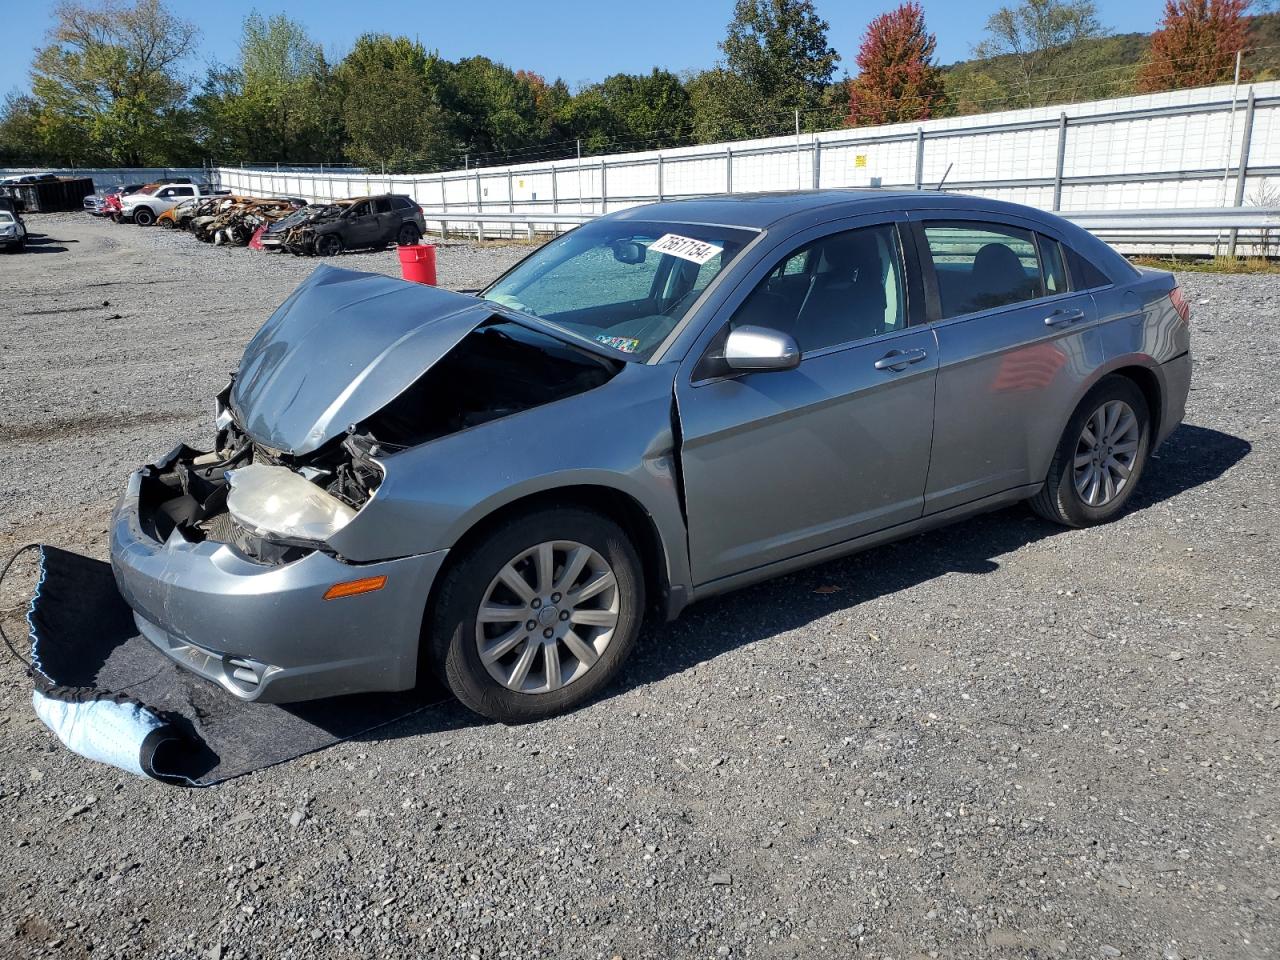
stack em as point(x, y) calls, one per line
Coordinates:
point(1196, 44)
point(897, 80)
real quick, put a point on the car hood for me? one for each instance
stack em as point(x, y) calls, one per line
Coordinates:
point(343, 346)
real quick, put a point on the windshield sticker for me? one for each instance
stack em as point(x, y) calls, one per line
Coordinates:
point(686, 248)
point(625, 344)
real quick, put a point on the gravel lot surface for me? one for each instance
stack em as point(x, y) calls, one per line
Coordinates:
point(998, 740)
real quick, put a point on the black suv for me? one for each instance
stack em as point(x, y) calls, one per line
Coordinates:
point(368, 222)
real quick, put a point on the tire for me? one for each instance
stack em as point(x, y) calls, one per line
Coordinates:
point(143, 217)
point(453, 632)
point(327, 245)
point(409, 234)
point(1061, 500)
point(164, 224)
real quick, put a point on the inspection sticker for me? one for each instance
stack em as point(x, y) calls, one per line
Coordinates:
point(625, 344)
point(686, 248)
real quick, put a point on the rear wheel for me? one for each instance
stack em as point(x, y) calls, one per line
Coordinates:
point(409, 235)
point(328, 245)
point(143, 217)
point(538, 616)
point(1100, 458)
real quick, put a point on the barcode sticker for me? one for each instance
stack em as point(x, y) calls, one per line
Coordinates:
point(686, 248)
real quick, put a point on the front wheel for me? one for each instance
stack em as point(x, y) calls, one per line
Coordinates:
point(143, 217)
point(537, 617)
point(1100, 458)
point(328, 245)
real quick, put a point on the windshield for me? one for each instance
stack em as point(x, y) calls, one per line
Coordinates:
point(623, 283)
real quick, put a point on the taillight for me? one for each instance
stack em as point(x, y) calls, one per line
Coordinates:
point(1180, 304)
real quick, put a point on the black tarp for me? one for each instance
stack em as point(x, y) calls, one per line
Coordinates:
point(86, 648)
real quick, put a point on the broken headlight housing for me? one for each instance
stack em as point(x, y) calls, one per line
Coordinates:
point(275, 503)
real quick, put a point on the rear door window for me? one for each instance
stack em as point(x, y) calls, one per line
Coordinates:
point(982, 266)
point(382, 205)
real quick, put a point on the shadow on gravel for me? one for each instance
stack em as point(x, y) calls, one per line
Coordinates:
point(42, 243)
point(1191, 457)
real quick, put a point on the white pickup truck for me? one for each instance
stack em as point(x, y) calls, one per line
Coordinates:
point(154, 199)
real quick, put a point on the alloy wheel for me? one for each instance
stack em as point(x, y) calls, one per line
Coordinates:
point(1106, 453)
point(547, 617)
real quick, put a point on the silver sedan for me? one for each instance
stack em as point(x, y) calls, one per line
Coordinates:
point(670, 402)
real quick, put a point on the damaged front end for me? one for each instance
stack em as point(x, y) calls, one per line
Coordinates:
point(351, 370)
point(225, 494)
point(227, 556)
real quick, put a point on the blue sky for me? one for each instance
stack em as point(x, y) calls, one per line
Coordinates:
point(578, 40)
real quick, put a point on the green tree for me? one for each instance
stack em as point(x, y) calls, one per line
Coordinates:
point(391, 105)
point(1035, 50)
point(278, 103)
point(108, 86)
point(777, 60)
point(20, 141)
point(645, 111)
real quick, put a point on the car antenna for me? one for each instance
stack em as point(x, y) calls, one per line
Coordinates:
point(944, 176)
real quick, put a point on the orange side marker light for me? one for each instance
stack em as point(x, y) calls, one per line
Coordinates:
point(352, 588)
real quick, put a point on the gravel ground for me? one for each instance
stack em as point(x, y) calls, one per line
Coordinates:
point(998, 740)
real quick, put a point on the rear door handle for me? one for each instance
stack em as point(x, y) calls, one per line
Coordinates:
point(1060, 318)
point(899, 359)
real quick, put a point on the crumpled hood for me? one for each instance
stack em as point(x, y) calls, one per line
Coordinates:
point(343, 346)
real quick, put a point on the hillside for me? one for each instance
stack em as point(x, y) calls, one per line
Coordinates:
point(1089, 70)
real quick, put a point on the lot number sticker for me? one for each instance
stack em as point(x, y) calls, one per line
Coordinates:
point(686, 248)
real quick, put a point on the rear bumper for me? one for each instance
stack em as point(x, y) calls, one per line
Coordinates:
point(1176, 374)
point(264, 632)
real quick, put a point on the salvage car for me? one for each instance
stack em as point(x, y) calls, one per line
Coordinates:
point(13, 232)
point(328, 229)
point(667, 403)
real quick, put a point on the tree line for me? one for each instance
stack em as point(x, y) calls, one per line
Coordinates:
point(109, 87)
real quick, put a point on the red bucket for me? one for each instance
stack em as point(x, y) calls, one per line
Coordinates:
point(418, 262)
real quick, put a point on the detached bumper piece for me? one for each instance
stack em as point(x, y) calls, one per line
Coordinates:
point(109, 695)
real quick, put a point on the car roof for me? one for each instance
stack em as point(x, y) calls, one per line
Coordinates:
point(760, 211)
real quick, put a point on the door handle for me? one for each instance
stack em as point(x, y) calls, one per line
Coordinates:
point(899, 360)
point(1060, 318)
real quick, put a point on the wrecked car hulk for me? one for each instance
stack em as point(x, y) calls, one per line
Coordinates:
point(327, 229)
point(667, 403)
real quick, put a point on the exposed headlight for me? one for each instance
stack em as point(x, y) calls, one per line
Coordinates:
point(276, 502)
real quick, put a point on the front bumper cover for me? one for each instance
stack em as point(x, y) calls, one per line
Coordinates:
point(264, 632)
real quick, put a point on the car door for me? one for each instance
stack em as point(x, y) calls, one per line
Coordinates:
point(781, 463)
point(1014, 342)
point(362, 228)
point(388, 219)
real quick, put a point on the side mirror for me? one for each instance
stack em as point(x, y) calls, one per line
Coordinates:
point(759, 348)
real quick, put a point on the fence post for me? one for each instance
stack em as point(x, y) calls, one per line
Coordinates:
point(659, 176)
point(604, 188)
point(1062, 159)
point(444, 206)
point(1242, 171)
point(555, 190)
point(817, 163)
point(919, 157)
point(728, 169)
